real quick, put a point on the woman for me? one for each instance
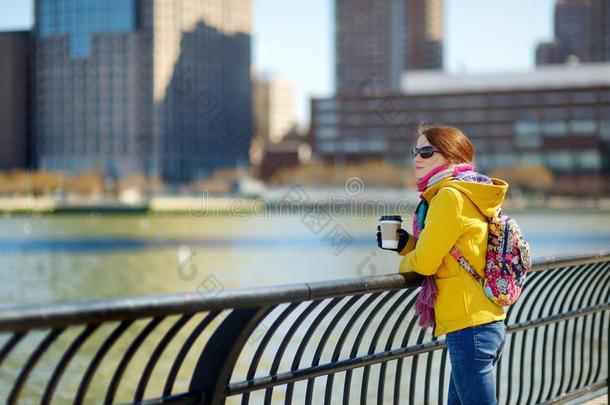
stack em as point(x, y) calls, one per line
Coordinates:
point(455, 201)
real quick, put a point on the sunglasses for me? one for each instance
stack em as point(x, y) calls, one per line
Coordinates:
point(425, 152)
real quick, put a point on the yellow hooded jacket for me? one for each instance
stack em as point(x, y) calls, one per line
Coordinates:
point(455, 217)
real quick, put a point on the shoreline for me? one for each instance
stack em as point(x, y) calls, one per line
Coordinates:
point(197, 206)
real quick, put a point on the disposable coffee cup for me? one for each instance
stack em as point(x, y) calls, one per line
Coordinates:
point(389, 224)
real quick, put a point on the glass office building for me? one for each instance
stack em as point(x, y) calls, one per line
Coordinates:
point(121, 86)
point(15, 111)
point(80, 19)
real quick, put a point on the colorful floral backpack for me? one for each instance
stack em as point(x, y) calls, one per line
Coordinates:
point(508, 261)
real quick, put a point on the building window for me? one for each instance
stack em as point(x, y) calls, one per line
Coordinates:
point(326, 132)
point(503, 145)
point(583, 127)
point(79, 23)
point(560, 160)
point(354, 105)
point(556, 98)
point(501, 115)
point(529, 99)
point(505, 159)
point(326, 105)
point(555, 128)
point(556, 113)
point(532, 159)
point(352, 145)
point(326, 119)
point(527, 127)
point(473, 101)
point(604, 96)
point(480, 145)
point(448, 102)
point(528, 141)
point(424, 102)
point(474, 115)
point(587, 160)
point(422, 116)
point(484, 161)
point(527, 134)
point(353, 119)
point(500, 130)
point(387, 106)
point(406, 102)
point(450, 116)
point(584, 97)
point(327, 147)
point(377, 145)
point(604, 130)
point(583, 112)
point(502, 100)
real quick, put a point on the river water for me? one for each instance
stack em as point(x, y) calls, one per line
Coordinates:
point(78, 257)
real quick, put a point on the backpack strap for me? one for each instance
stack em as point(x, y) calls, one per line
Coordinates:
point(465, 264)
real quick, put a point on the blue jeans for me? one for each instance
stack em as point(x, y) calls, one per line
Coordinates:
point(474, 353)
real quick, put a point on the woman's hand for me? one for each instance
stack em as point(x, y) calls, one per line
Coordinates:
point(403, 238)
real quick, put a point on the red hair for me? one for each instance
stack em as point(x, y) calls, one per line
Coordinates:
point(453, 144)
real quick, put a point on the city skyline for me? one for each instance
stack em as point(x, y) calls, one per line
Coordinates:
point(278, 25)
point(157, 87)
point(582, 32)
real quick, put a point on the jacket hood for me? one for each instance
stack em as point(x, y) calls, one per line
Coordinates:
point(487, 197)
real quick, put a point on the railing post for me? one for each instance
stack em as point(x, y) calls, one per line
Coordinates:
point(217, 360)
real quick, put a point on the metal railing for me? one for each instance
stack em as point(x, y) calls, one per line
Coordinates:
point(343, 341)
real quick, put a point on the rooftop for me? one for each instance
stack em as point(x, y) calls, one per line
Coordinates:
point(544, 77)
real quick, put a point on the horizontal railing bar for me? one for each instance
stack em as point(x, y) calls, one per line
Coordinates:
point(186, 398)
point(536, 323)
point(80, 312)
point(567, 397)
point(385, 356)
point(330, 368)
point(549, 262)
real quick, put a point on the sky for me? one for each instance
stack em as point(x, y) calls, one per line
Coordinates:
point(294, 38)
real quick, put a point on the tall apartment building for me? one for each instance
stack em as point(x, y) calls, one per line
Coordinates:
point(582, 31)
point(154, 86)
point(274, 107)
point(375, 41)
point(15, 103)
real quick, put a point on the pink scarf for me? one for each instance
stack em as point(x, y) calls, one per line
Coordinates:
point(424, 307)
